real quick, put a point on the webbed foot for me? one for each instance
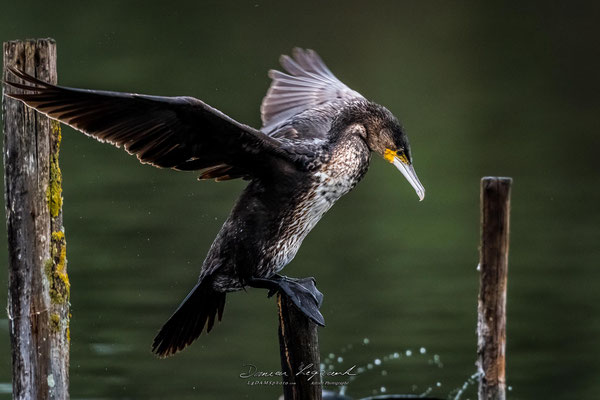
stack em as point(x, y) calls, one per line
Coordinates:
point(302, 292)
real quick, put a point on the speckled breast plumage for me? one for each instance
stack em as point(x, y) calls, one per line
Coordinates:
point(347, 166)
point(346, 163)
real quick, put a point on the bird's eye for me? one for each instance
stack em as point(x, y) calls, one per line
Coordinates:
point(401, 155)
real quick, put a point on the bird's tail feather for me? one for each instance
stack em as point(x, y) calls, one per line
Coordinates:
point(199, 309)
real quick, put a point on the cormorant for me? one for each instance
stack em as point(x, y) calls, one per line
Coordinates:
point(314, 146)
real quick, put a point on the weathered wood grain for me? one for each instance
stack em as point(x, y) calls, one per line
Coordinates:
point(300, 358)
point(38, 301)
point(493, 264)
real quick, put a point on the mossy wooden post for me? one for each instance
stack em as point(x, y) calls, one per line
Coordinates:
point(299, 348)
point(493, 264)
point(38, 294)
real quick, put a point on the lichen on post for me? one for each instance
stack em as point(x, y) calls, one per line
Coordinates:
point(56, 269)
point(54, 191)
point(39, 289)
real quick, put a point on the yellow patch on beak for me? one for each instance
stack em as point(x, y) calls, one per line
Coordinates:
point(390, 155)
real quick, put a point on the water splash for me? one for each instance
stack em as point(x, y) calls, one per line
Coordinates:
point(378, 362)
point(457, 393)
point(436, 361)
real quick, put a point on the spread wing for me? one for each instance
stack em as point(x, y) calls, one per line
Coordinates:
point(308, 83)
point(169, 132)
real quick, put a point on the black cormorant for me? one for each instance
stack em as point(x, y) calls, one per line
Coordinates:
point(314, 146)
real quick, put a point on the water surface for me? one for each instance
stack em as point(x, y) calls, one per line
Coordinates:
point(481, 89)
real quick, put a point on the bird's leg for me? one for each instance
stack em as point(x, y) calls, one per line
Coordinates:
point(302, 292)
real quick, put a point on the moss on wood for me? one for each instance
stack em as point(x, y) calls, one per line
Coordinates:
point(56, 269)
point(54, 191)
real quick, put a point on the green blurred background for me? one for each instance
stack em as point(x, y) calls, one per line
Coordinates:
point(483, 88)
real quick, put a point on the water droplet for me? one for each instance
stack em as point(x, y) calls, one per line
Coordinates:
point(438, 384)
point(382, 389)
point(369, 366)
point(422, 350)
point(510, 388)
point(408, 353)
point(340, 359)
point(377, 361)
point(331, 355)
point(396, 355)
point(384, 372)
point(366, 341)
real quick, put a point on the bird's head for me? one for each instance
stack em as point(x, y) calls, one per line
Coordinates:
point(387, 138)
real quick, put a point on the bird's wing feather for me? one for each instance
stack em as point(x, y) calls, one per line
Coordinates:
point(308, 83)
point(170, 132)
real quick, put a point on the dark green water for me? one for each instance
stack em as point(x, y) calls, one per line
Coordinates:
point(481, 90)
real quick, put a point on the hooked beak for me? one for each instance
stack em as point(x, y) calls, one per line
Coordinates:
point(411, 176)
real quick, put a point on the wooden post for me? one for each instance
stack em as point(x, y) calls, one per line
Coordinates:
point(300, 358)
point(38, 294)
point(493, 265)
